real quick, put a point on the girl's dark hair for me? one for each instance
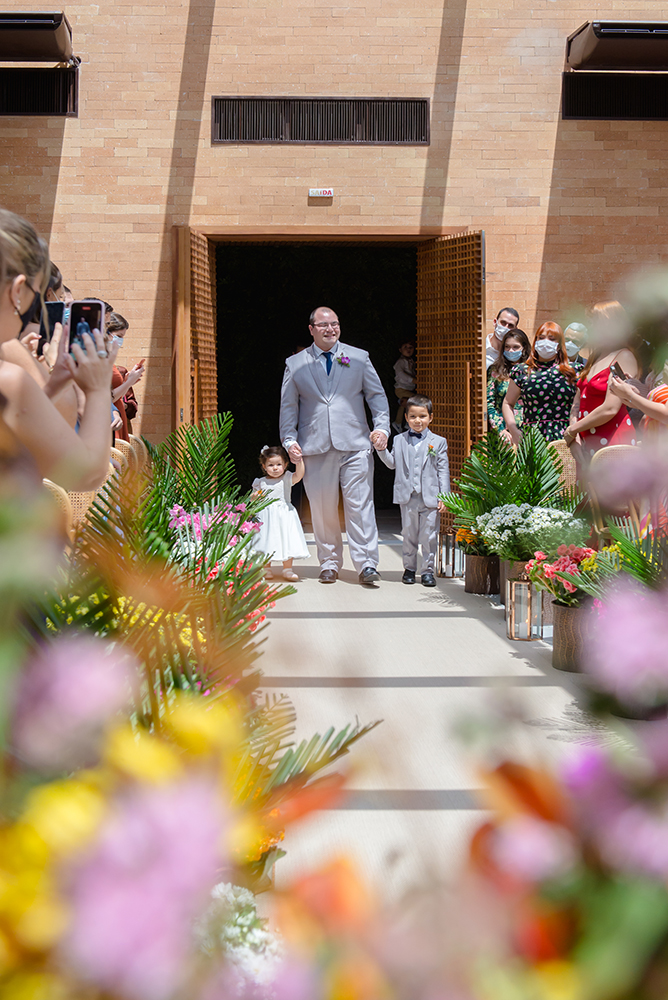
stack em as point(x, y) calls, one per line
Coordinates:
point(501, 367)
point(272, 452)
point(56, 278)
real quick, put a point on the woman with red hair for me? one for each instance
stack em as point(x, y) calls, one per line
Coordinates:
point(546, 386)
point(602, 418)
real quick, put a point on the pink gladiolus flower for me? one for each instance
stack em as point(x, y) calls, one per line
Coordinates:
point(65, 698)
point(562, 550)
point(136, 895)
point(629, 656)
point(540, 556)
point(246, 527)
point(241, 507)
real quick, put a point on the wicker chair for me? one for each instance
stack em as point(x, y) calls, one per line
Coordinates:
point(127, 449)
point(569, 474)
point(141, 451)
point(120, 458)
point(81, 502)
point(606, 459)
point(64, 507)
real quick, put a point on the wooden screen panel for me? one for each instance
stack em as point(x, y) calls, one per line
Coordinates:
point(450, 339)
point(203, 366)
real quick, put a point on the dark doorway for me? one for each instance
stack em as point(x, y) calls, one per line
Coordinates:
point(265, 293)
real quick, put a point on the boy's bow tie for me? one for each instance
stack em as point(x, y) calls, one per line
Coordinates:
point(415, 434)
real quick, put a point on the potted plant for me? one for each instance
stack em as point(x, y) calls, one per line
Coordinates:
point(516, 531)
point(559, 578)
point(481, 575)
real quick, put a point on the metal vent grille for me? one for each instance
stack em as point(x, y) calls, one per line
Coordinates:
point(344, 121)
point(39, 91)
point(622, 96)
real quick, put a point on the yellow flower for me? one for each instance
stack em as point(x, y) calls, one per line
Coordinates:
point(64, 814)
point(42, 924)
point(558, 980)
point(203, 726)
point(35, 986)
point(142, 756)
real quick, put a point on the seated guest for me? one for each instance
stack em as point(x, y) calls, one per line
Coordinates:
point(515, 349)
point(546, 386)
point(122, 393)
point(601, 418)
point(31, 428)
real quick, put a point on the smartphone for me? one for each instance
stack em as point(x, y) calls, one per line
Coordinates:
point(617, 370)
point(52, 313)
point(85, 317)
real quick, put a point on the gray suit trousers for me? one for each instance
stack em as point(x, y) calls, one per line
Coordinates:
point(419, 528)
point(353, 470)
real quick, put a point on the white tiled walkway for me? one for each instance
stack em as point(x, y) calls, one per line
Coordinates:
point(422, 660)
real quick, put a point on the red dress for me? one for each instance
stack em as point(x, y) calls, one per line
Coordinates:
point(618, 430)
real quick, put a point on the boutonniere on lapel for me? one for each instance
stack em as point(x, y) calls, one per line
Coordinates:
point(431, 451)
point(343, 361)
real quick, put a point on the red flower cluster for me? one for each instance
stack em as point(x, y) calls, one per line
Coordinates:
point(568, 561)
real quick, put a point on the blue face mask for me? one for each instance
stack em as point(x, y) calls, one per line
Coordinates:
point(513, 355)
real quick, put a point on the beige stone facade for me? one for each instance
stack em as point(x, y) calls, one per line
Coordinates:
point(569, 208)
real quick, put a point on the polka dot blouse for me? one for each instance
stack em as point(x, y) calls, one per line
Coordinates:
point(547, 396)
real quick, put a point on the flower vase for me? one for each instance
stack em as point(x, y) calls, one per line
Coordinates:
point(508, 570)
point(482, 575)
point(570, 625)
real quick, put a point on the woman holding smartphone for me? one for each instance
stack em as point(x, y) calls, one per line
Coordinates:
point(599, 418)
point(33, 434)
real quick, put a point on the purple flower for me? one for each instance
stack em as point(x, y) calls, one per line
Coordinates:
point(628, 652)
point(66, 696)
point(343, 360)
point(178, 516)
point(633, 474)
point(531, 849)
point(136, 895)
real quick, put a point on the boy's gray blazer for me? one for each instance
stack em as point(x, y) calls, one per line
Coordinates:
point(321, 413)
point(435, 468)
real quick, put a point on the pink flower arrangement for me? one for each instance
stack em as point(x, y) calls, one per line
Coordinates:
point(66, 697)
point(136, 894)
point(548, 575)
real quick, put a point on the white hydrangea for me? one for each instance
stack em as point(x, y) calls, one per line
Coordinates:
point(516, 531)
point(232, 926)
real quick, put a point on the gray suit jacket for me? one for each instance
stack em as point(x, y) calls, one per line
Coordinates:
point(435, 468)
point(322, 413)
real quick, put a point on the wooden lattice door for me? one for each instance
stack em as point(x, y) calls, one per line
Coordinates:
point(450, 339)
point(196, 373)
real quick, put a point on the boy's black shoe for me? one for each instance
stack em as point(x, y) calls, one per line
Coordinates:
point(408, 577)
point(428, 580)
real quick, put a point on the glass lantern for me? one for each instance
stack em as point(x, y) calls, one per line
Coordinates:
point(524, 610)
point(451, 558)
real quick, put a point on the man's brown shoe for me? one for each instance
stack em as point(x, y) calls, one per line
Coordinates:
point(328, 576)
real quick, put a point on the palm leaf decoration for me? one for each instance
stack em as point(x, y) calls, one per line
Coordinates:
point(495, 474)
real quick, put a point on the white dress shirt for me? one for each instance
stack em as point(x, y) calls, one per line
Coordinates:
point(415, 456)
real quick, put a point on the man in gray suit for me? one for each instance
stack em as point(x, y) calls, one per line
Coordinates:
point(323, 420)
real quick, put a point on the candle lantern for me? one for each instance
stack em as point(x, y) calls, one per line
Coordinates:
point(451, 559)
point(523, 610)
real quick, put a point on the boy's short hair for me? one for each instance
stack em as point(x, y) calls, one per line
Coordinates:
point(420, 401)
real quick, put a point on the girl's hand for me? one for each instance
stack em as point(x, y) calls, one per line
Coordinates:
point(570, 435)
point(31, 340)
point(60, 372)
point(133, 376)
point(91, 369)
point(505, 435)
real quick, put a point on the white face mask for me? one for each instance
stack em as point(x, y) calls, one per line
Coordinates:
point(572, 349)
point(514, 355)
point(546, 349)
point(500, 331)
point(117, 340)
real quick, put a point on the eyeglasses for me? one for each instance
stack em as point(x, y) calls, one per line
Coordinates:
point(326, 326)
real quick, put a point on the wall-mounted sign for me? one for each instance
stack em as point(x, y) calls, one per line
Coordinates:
point(321, 192)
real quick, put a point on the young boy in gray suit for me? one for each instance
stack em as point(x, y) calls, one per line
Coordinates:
point(420, 461)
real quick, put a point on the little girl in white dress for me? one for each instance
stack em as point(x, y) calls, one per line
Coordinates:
point(280, 534)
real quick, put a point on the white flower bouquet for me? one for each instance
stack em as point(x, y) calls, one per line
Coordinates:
point(516, 532)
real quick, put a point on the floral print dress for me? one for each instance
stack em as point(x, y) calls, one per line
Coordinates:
point(547, 396)
point(496, 393)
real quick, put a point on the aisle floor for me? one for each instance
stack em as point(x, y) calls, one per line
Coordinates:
point(427, 662)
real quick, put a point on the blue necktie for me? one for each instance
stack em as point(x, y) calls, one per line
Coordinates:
point(415, 434)
point(328, 356)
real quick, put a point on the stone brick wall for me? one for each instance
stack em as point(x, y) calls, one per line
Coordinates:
point(569, 207)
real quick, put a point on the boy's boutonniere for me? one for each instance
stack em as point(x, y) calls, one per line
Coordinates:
point(431, 451)
point(343, 360)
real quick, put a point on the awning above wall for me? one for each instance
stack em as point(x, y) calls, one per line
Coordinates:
point(618, 45)
point(35, 37)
